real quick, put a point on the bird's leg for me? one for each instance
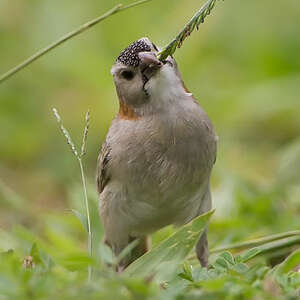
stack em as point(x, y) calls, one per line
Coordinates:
point(202, 249)
point(141, 248)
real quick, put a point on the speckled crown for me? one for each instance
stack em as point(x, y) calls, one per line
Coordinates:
point(129, 56)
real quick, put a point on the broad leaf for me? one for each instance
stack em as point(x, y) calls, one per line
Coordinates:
point(228, 257)
point(170, 253)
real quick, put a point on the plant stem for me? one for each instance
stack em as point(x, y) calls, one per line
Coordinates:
point(256, 242)
point(279, 244)
point(68, 36)
point(88, 215)
point(194, 22)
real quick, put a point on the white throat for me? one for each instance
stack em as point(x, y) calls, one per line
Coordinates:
point(165, 88)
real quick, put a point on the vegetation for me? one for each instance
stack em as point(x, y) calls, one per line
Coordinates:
point(195, 22)
point(244, 70)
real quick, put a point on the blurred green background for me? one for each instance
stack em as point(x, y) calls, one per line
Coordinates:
point(243, 66)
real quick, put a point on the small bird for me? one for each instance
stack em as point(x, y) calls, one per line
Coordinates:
point(154, 167)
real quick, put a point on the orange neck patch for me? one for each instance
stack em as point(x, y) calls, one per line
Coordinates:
point(126, 112)
point(184, 86)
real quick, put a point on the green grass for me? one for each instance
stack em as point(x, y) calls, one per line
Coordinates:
point(53, 265)
point(54, 262)
point(242, 66)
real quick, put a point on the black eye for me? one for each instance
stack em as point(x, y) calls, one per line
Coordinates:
point(168, 62)
point(128, 75)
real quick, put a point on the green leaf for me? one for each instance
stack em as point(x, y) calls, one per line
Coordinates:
point(213, 285)
point(257, 242)
point(75, 261)
point(127, 250)
point(221, 264)
point(82, 218)
point(228, 257)
point(249, 254)
point(34, 252)
point(292, 261)
point(240, 268)
point(187, 272)
point(106, 254)
point(172, 251)
point(266, 248)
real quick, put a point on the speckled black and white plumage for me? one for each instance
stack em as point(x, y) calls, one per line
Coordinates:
point(129, 56)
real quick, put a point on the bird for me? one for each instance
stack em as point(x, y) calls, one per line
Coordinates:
point(155, 164)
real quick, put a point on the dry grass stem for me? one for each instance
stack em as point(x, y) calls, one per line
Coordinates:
point(65, 132)
point(79, 159)
point(195, 22)
point(85, 134)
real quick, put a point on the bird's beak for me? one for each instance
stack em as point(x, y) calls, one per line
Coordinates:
point(149, 64)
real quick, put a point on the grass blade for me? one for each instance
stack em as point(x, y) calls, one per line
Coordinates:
point(195, 22)
point(83, 178)
point(292, 261)
point(171, 251)
point(269, 247)
point(256, 242)
point(118, 8)
point(85, 134)
point(81, 218)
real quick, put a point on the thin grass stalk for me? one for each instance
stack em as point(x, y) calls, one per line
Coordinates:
point(279, 244)
point(83, 152)
point(88, 215)
point(270, 248)
point(65, 132)
point(194, 22)
point(79, 159)
point(85, 134)
point(256, 242)
point(118, 8)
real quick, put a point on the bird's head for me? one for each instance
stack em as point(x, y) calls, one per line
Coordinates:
point(141, 78)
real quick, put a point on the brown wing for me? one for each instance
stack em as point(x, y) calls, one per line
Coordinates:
point(102, 167)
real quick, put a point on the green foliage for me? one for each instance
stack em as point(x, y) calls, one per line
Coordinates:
point(85, 220)
point(165, 258)
point(53, 264)
point(65, 38)
point(243, 69)
point(290, 263)
point(82, 218)
point(229, 278)
point(42, 275)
